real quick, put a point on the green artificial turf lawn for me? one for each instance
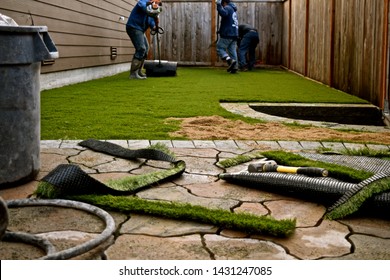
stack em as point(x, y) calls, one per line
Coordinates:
point(118, 108)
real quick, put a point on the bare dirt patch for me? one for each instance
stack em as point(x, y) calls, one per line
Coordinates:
point(216, 127)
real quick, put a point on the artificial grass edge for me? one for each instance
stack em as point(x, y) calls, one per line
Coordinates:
point(229, 162)
point(238, 221)
point(354, 203)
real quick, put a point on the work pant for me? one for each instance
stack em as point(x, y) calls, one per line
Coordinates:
point(140, 42)
point(227, 47)
point(248, 46)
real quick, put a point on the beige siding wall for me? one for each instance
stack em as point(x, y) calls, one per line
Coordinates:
point(83, 30)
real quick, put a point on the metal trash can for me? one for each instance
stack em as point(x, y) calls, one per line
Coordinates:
point(22, 49)
point(3, 217)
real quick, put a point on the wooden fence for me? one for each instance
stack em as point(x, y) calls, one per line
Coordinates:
point(342, 43)
point(191, 27)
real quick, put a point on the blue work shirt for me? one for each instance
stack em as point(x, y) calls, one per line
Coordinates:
point(139, 19)
point(229, 21)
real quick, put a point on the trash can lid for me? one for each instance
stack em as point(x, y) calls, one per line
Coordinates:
point(23, 28)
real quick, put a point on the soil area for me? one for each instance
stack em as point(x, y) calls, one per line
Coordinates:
point(216, 127)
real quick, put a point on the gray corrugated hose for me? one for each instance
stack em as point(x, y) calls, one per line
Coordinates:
point(325, 190)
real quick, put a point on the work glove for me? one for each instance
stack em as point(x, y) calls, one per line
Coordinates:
point(219, 2)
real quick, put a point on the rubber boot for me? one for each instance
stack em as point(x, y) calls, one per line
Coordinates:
point(231, 65)
point(135, 66)
point(140, 73)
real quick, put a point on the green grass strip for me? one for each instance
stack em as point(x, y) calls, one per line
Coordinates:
point(47, 190)
point(383, 154)
point(137, 182)
point(222, 218)
point(355, 202)
point(239, 159)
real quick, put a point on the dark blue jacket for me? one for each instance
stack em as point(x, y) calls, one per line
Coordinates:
point(139, 19)
point(229, 22)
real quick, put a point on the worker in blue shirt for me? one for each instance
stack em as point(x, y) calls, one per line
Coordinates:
point(143, 16)
point(228, 34)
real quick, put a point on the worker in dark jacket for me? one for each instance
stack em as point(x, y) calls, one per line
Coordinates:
point(248, 39)
point(143, 16)
point(228, 34)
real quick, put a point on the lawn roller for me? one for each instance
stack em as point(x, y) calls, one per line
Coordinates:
point(159, 68)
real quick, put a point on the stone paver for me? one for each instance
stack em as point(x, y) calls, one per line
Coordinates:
point(354, 146)
point(334, 146)
point(311, 145)
point(290, 145)
point(142, 247)
point(224, 248)
point(181, 195)
point(246, 145)
point(369, 226)
point(225, 190)
point(202, 144)
point(182, 144)
point(226, 145)
point(268, 145)
point(150, 237)
point(252, 208)
point(51, 161)
point(150, 225)
point(326, 239)
point(376, 147)
point(368, 248)
point(306, 213)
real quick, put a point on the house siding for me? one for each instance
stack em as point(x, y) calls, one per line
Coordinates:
point(83, 31)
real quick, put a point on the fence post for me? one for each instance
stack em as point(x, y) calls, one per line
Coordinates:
point(213, 53)
point(384, 85)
